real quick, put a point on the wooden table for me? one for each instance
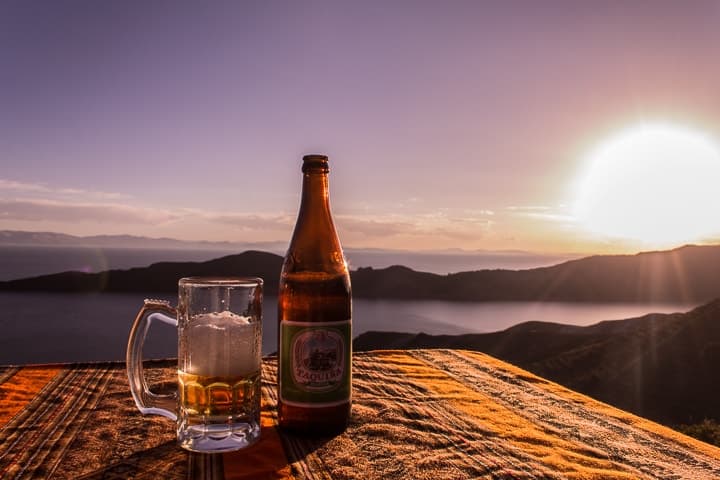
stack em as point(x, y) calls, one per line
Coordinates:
point(416, 414)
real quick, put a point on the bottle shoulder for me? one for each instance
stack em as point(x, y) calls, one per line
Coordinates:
point(314, 262)
point(315, 282)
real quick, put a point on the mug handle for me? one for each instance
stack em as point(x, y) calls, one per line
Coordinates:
point(148, 402)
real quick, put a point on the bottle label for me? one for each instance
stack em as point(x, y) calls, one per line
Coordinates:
point(314, 366)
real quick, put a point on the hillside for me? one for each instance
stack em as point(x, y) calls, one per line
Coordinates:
point(663, 367)
point(689, 274)
point(158, 277)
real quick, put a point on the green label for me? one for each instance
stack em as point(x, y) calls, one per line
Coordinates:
point(315, 362)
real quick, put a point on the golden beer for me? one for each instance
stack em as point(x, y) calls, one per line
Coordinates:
point(219, 396)
point(219, 376)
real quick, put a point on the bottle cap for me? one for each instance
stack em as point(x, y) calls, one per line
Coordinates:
point(315, 162)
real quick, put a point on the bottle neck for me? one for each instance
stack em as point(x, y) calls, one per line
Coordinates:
point(315, 193)
point(315, 245)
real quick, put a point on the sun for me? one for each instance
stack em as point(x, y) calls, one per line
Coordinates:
point(655, 183)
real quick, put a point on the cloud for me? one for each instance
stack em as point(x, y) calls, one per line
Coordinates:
point(541, 212)
point(43, 203)
point(373, 227)
point(248, 221)
point(20, 186)
point(436, 224)
point(93, 211)
point(45, 210)
point(44, 189)
point(101, 211)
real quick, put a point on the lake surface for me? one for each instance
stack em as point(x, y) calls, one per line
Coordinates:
point(55, 327)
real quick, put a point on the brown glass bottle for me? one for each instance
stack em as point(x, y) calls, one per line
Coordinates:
point(314, 315)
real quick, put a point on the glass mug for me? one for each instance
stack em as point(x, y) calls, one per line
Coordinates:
point(219, 324)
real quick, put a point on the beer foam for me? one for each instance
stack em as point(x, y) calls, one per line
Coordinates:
point(221, 320)
point(222, 344)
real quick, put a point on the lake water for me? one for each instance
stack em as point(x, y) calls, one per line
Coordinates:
point(54, 327)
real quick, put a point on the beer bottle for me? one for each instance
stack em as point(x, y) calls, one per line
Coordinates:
point(314, 316)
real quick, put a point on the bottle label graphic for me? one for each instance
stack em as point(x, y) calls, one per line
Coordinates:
point(317, 371)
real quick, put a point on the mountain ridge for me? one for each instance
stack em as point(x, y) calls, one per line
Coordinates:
point(157, 278)
point(53, 239)
point(688, 274)
point(439, 261)
point(659, 366)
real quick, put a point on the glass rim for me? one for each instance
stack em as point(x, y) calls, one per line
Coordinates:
point(220, 281)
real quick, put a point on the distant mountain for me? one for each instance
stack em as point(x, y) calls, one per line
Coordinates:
point(660, 366)
point(158, 277)
point(453, 260)
point(689, 274)
point(52, 239)
point(437, 261)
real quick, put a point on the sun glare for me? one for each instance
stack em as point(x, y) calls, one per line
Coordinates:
point(658, 184)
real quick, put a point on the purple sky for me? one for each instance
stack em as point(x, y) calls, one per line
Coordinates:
point(448, 124)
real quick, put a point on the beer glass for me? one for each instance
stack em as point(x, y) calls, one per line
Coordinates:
point(219, 327)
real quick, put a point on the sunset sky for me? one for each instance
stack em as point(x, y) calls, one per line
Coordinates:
point(473, 125)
